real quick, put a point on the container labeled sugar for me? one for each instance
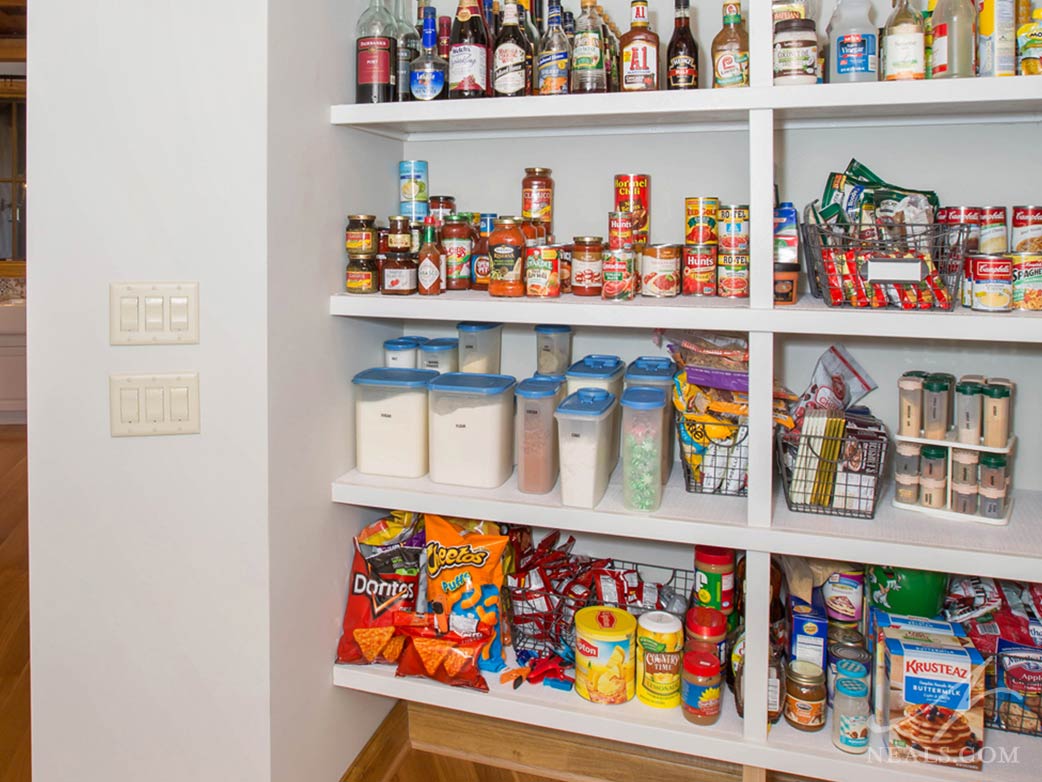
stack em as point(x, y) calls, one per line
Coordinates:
point(584, 421)
point(391, 421)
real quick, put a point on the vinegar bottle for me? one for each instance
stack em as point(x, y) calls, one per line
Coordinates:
point(554, 56)
point(954, 40)
point(904, 44)
point(853, 44)
point(588, 73)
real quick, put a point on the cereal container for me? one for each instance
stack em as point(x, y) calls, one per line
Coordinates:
point(391, 421)
point(536, 434)
point(642, 447)
point(604, 659)
point(584, 421)
point(660, 645)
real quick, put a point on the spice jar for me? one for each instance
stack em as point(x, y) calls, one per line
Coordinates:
point(537, 197)
point(964, 466)
point(996, 415)
point(850, 716)
point(993, 471)
point(933, 492)
point(795, 52)
point(587, 265)
point(506, 247)
point(398, 276)
point(361, 234)
point(362, 274)
point(399, 235)
point(907, 460)
point(714, 578)
point(992, 503)
point(910, 393)
point(964, 498)
point(700, 688)
point(844, 662)
point(933, 462)
point(705, 629)
point(935, 409)
point(906, 489)
point(948, 378)
point(805, 696)
point(968, 412)
point(457, 242)
point(442, 206)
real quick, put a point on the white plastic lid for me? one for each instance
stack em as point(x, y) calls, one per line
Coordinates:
point(659, 622)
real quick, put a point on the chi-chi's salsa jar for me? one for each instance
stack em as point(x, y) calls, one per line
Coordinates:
point(361, 234)
point(506, 248)
point(587, 265)
point(457, 240)
point(537, 196)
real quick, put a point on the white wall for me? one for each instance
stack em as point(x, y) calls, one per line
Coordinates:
point(148, 557)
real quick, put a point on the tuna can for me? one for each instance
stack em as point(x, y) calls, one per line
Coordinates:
point(994, 235)
point(733, 228)
point(699, 274)
point(966, 215)
point(732, 275)
point(633, 195)
point(992, 283)
point(1027, 229)
point(604, 659)
point(700, 218)
point(620, 231)
point(660, 270)
point(620, 275)
point(1027, 281)
point(543, 271)
point(660, 645)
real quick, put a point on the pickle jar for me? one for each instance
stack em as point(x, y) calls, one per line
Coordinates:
point(935, 408)
point(361, 234)
point(362, 274)
point(964, 466)
point(933, 462)
point(968, 412)
point(993, 471)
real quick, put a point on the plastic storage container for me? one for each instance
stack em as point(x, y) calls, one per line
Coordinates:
point(391, 421)
point(642, 447)
point(535, 432)
point(992, 503)
point(480, 345)
point(471, 429)
point(964, 498)
point(935, 409)
point(584, 421)
point(933, 492)
point(400, 353)
point(906, 489)
point(907, 460)
point(968, 412)
point(993, 471)
point(996, 399)
point(964, 466)
point(910, 393)
point(553, 349)
point(441, 355)
point(600, 371)
point(933, 462)
point(658, 371)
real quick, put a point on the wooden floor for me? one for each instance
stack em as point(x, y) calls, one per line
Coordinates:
point(14, 607)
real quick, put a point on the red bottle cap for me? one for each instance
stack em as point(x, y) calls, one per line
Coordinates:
point(701, 664)
point(714, 555)
point(706, 622)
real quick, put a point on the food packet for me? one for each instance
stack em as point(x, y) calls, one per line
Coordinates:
point(838, 381)
point(706, 349)
point(450, 658)
point(970, 597)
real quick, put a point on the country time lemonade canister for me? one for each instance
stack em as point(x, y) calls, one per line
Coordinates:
point(604, 646)
point(660, 644)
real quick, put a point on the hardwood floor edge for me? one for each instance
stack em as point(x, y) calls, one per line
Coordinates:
point(385, 751)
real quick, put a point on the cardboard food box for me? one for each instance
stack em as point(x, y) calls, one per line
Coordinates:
point(810, 630)
point(935, 699)
point(1018, 694)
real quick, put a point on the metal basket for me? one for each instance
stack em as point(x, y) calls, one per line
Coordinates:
point(900, 265)
point(715, 456)
point(841, 476)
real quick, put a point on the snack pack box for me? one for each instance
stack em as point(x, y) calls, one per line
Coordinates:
point(1018, 694)
point(810, 630)
point(935, 699)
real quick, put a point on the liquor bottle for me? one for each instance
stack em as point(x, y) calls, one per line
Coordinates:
point(488, 10)
point(953, 54)
point(444, 36)
point(904, 44)
point(731, 50)
point(611, 49)
point(408, 44)
point(524, 20)
point(428, 73)
point(420, 5)
point(469, 53)
point(568, 22)
point(555, 55)
point(682, 53)
point(512, 59)
point(376, 55)
point(588, 74)
point(639, 64)
point(538, 16)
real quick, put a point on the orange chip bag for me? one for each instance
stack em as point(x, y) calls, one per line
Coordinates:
point(450, 659)
point(464, 571)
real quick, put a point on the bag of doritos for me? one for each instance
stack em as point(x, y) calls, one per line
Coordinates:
point(464, 572)
point(450, 658)
point(384, 579)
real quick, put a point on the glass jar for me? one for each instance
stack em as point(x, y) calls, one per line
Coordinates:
point(587, 265)
point(700, 688)
point(398, 275)
point(933, 462)
point(993, 471)
point(850, 714)
point(457, 242)
point(964, 498)
point(714, 578)
point(933, 492)
point(845, 662)
point(362, 274)
point(506, 248)
point(805, 696)
point(935, 409)
point(968, 412)
point(992, 503)
point(910, 406)
point(707, 626)
point(907, 460)
point(442, 206)
point(795, 52)
point(531, 232)
point(360, 236)
point(415, 236)
point(399, 236)
point(996, 415)
point(964, 466)
point(537, 196)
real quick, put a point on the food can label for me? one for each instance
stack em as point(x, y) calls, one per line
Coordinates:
point(620, 231)
point(660, 276)
point(620, 282)
point(700, 700)
point(856, 53)
point(505, 260)
point(992, 284)
point(658, 667)
point(715, 590)
point(701, 220)
point(604, 670)
point(457, 258)
point(733, 280)
point(399, 242)
point(1027, 229)
point(361, 242)
point(468, 68)
point(905, 56)
point(1027, 282)
point(633, 195)
point(535, 203)
point(412, 180)
point(481, 268)
point(542, 272)
point(993, 237)
point(699, 271)
point(810, 714)
point(732, 227)
point(360, 281)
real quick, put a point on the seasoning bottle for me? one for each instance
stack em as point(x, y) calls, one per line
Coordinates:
point(537, 196)
point(362, 274)
point(587, 265)
point(992, 503)
point(904, 44)
point(795, 52)
point(910, 404)
point(457, 242)
point(555, 53)
point(906, 461)
point(700, 688)
point(933, 462)
point(964, 498)
point(996, 415)
point(964, 466)
point(714, 578)
point(731, 50)
point(429, 261)
point(638, 70)
point(850, 716)
point(481, 266)
point(993, 471)
point(682, 52)
point(588, 73)
point(398, 276)
point(805, 696)
point(968, 412)
point(954, 47)
point(468, 53)
point(506, 247)
point(935, 412)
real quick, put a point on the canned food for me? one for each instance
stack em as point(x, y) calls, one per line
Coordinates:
point(633, 195)
point(966, 289)
point(660, 645)
point(620, 275)
point(994, 235)
point(733, 228)
point(412, 181)
point(732, 275)
point(966, 215)
point(566, 268)
point(543, 271)
point(699, 271)
point(604, 663)
point(700, 216)
point(1027, 281)
point(660, 270)
point(992, 283)
point(414, 210)
point(620, 231)
point(1027, 229)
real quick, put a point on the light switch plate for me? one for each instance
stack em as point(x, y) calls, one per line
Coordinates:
point(154, 404)
point(154, 313)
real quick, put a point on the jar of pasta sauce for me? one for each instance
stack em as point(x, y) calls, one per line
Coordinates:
point(537, 197)
point(457, 239)
point(506, 250)
point(587, 265)
point(442, 206)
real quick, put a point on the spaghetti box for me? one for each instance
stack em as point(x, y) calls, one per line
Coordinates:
point(810, 629)
point(879, 621)
point(935, 699)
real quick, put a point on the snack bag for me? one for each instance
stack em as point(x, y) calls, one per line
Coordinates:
point(451, 658)
point(464, 572)
point(384, 580)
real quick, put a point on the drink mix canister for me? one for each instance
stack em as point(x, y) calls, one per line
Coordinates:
point(604, 654)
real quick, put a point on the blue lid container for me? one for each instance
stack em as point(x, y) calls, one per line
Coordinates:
point(472, 383)
point(439, 344)
point(854, 688)
point(643, 398)
point(537, 388)
point(596, 366)
point(551, 329)
point(400, 343)
point(587, 401)
point(651, 370)
point(468, 325)
point(396, 377)
point(548, 376)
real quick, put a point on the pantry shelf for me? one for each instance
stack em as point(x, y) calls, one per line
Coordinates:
point(683, 517)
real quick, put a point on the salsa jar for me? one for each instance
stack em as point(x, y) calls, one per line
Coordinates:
point(457, 241)
point(442, 206)
point(587, 265)
point(506, 248)
point(398, 275)
point(362, 274)
point(360, 236)
point(399, 235)
point(537, 197)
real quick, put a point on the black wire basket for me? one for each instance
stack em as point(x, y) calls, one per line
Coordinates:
point(715, 455)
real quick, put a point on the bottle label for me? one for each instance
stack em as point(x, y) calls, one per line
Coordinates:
point(809, 713)
point(427, 85)
point(468, 65)
point(715, 590)
point(639, 66)
point(856, 53)
point(795, 58)
point(699, 700)
point(682, 72)
point(939, 51)
point(535, 203)
point(406, 55)
point(587, 273)
point(457, 258)
point(773, 693)
point(508, 68)
point(587, 52)
point(639, 14)
point(506, 263)
point(905, 56)
point(853, 731)
point(361, 280)
point(482, 268)
point(428, 274)
point(731, 69)
point(399, 279)
point(553, 73)
point(374, 60)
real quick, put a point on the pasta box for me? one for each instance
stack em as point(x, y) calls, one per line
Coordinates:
point(935, 699)
point(810, 629)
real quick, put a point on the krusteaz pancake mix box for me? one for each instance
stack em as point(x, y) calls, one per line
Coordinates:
point(935, 699)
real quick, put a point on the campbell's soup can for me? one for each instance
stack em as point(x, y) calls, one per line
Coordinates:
point(660, 270)
point(660, 645)
point(732, 226)
point(620, 275)
point(942, 215)
point(543, 271)
point(1027, 281)
point(699, 270)
point(1027, 229)
point(994, 235)
point(732, 275)
point(700, 218)
point(633, 195)
point(966, 215)
point(992, 283)
point(620, 231)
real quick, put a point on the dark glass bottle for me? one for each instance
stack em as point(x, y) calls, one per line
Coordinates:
point(469, 61)
point(427, 73)
point(682, 54)
point(376, 58)
point(512, 59)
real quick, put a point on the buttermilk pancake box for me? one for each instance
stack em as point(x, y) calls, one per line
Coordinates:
point(935, 699)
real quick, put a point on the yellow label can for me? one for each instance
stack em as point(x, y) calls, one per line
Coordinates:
point(604, 662)
point(660, 646)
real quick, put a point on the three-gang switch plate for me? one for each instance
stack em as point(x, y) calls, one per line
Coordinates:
point(154, 313)
point(154, 404)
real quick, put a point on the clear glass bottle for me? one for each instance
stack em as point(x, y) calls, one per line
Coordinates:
point(588, 74)
point(512, 58)
point(428, 74)
point(555, 53)
point(638, 67)
point(568, 22)
point(731, 50)
point(468, 53)
point(408, 49)
point(853, 44)
point(904, 44)
point(376, 55)
point(954, 48)
point(682, 52)
point(850, 716)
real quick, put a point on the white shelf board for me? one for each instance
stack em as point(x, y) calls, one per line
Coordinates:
point(642, 312)
point(683, 517)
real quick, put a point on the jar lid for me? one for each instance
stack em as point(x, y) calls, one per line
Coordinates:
point(996, 392)
point(470, 325)
point(934, 452)
point(847, 636)
point(397, 257)
point(596, 365)
point(605, 623)
point(916, 373)
point(993, 460)
point(651, 369)
point(852, 688)
point(792, 25)
point(963, 456)
point(702, 664)
point(361, 256)
point(417, 339)
point(935, 384)
point(366, 218)
point(908, 449)
point(442, 343)
point(964, 488)
point(472, 383)
point(397, 217)
point(399, 343)
point(587, 240)
point(910, 383)
point(537, 388)
point(550, 329)
point(659, 622)
point(851, 669)
point(587, 402)
point(966, 387)
point(443, 198)
point(643, 398)
point(992, 493)
point(706, 622)
point(846, 655)
point(457, 218)
point(806, 672)
point(507, 221)
point(538, 171)
point(714, 555)
point(399, 377)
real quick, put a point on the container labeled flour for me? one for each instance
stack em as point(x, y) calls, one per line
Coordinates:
point(391, 421)
point(584, 429)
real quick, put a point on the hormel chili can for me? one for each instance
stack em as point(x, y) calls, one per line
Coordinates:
point(633, 195)
point(967, 215)
point(1027, 229)
point(620, 231)
point(992, 282)
point(994, 236)
point(699, 271)
point(700, 216)
point(660, 270)
point(732, 226)
point(732, 275)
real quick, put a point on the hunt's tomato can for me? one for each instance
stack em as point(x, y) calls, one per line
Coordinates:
point(633, 195)
point(660, 271)
point(699, 274)
point(620, 231)
point(732, 275)
point(700, 219)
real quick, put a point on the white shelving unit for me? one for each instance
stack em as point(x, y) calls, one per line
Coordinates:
point(921, 134)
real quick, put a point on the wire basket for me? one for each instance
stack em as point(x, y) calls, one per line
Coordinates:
point(715, 455)
point(898, 265)
point(1009, 705)
point(833, 475)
